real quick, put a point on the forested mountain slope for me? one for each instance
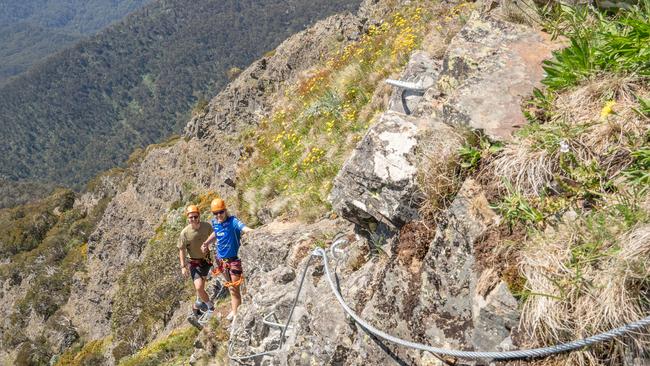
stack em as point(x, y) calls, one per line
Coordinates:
point(89, 106)
point(33, 29)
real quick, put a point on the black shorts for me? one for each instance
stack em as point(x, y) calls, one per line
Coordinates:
point(200, 269)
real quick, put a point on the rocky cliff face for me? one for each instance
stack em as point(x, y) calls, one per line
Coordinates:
point(205, 160)
point(427, 288)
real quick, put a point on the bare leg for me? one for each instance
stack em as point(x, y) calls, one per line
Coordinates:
point(235, 294)
point(199, 285)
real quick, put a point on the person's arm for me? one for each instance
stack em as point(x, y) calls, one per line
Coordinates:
point(243, 229)
point(181, 257)
point(206, 244)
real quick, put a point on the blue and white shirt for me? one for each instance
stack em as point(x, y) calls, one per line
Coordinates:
point(228, 234)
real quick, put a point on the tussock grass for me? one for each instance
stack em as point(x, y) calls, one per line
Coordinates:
point(572, 188)
point(439, 171)
point(595, 123)
point(588, 276)
point(598, 44)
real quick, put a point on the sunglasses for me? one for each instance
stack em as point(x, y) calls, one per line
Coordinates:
point(219, 212)
point(192, 217)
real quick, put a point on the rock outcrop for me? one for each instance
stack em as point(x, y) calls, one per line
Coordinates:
point(489, 68)
point(431, 299)
point(436, 294)
point(378, 182)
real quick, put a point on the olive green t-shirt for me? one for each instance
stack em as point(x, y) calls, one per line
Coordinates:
point(193, 239)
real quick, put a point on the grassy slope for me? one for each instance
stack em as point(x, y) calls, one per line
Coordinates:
point(572, 188)
point(298, 151)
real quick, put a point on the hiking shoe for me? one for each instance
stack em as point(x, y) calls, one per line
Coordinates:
point(205, 317)
point(194, 321)
point(196, 312)
point(203, 307)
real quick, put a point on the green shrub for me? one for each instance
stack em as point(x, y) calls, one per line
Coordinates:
point(516, 209)
point(639, 172)
point(200, 107)
point(32, 353)
point(597, 44)
point(174, 349)
point(91, 353)
point(478, 148)
point(149, 290)
point(234, 71)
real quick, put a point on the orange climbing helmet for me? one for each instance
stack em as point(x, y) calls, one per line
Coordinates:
point(192, 209)
point(217, 205)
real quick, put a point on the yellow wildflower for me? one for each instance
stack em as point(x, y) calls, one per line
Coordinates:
point(607, 109)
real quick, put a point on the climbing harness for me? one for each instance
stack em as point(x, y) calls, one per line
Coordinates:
point(225, 268)
point(336, 253)
point(234, 284)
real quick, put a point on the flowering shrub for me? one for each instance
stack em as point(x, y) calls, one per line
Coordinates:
point(300, 148)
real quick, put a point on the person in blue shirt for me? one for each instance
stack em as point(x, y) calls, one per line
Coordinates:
point(227, 231)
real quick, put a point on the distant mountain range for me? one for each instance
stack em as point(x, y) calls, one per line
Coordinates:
point(86, 108)
point(31, 30)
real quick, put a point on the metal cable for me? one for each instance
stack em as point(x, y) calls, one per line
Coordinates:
point(531, 353)
point(472, 355)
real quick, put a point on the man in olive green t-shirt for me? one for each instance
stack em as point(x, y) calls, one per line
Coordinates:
point(198, 266)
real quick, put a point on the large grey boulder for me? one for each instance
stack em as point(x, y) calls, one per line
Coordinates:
point(378, 182)
point(489, 68)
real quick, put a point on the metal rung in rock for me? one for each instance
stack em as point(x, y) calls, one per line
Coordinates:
point(408, 85)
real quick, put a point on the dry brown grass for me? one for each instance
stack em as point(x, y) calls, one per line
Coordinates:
point(519, 11)
point(580, 286)
point(531, 162)
point(529, 169)
point(438, 175)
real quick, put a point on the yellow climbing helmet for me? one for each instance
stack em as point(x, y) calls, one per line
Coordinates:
point(217, 205)
point(192, 209)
